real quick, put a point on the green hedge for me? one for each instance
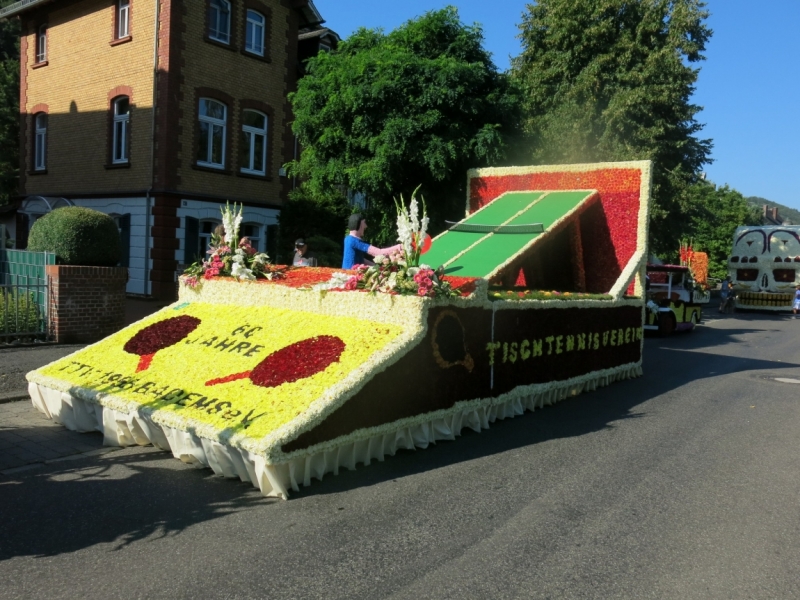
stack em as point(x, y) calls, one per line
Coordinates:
point(77, 236)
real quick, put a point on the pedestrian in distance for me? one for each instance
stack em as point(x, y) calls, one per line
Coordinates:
point(724, 295)
point(796, 303)
point(302, 256)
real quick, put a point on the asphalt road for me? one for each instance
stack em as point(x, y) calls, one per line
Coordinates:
point(15, 362)
point(681, 484)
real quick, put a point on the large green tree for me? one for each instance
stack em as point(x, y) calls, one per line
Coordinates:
point(717, 212)
point(386, 113)
point(9, 107)
point(612, 80)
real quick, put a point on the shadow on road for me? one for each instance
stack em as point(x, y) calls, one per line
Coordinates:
point(129, 495)
point(669, 364)
point(118, 499)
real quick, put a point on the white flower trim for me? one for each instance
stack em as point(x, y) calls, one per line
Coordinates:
point(383, 308)
point(122, 428)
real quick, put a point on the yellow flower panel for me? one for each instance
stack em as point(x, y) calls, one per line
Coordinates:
point(239, 369)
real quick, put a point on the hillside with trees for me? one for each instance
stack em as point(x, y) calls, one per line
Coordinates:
point(785, 212)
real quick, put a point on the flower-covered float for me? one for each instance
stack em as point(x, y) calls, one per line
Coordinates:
point(763, 266)
point(536, 296)
point(672, 303)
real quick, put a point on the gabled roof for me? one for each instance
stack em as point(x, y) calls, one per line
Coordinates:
point(321, 32)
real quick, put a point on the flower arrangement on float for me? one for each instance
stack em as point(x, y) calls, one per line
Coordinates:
point(400, 272)
point(232, 256)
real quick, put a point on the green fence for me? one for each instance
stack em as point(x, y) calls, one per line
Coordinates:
point(23, 294)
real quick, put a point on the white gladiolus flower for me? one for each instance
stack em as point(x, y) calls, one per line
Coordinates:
point(411, 229)
point(231, 219)
point(414, 214)
point(404, 230)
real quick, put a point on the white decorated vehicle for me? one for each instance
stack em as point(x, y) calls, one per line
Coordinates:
point(763, 266)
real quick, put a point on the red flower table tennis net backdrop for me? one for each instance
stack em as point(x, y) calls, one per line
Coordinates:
point(609, 234)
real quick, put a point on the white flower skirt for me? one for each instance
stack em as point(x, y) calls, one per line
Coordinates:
point(130, 429)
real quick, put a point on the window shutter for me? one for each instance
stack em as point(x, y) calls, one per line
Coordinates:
point(22, 231)
point(125, 240)
point(271, 242)
point(191, 241)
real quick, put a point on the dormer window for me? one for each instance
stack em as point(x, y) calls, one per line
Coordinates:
point(41, 44)
point(254, 38)
point(219, 21)
point(123, 19)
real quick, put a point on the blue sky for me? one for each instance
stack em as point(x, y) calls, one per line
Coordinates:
point(749, 84)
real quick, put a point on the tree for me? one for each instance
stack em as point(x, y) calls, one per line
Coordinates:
point(386, 113)
point(717, 212)
point(609, 80)
point(9, 107)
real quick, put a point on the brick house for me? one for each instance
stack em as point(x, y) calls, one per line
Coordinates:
point(156, 112)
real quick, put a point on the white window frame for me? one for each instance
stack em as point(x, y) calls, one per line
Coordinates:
point(217, 9)
point(256, 22)
point(40, 142)
point(213, 123)
point(251, 134)
point(123, 18)
point(121, 129)
point(41, 44)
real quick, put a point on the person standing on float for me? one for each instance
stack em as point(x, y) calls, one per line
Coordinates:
point(356, 249)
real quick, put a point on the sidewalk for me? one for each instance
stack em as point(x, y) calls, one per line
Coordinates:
point(27, 437)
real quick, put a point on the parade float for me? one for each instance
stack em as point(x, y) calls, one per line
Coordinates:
point(676, 293)
point(763, 266)
point(277, 375)
point(671, 303)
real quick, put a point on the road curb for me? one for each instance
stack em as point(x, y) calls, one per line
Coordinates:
point(13, 397)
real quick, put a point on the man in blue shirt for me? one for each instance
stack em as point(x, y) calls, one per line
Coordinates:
point(356, 250)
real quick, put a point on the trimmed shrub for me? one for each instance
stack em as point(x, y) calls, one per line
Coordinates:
point(77, 236)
